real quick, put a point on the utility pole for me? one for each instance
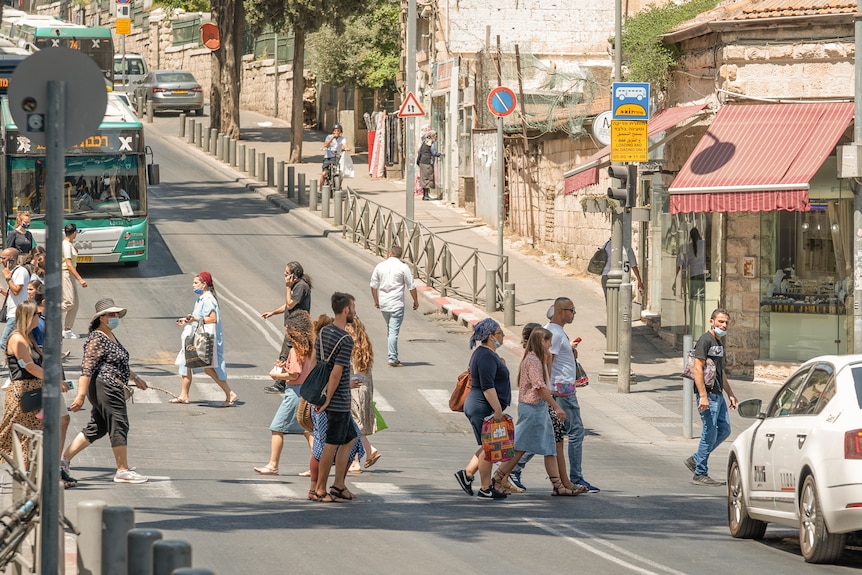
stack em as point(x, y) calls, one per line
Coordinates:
point(410, 132)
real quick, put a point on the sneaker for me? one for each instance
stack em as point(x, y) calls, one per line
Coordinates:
point(69, 334)
point(515, 478)
point(465, 481)
point(129, 476)
point(491, 493)
point(690, 464)
point(706, 480)
point(6, 383)
point(590, 488)
point(396, 363)
point(277, 387)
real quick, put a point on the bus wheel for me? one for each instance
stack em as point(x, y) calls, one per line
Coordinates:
point(131, 264)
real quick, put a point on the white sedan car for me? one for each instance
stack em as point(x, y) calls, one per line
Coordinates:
point(800, 462)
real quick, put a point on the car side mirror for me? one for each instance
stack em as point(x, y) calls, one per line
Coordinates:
point(750, 409)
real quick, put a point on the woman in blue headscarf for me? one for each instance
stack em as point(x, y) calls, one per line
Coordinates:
point(490, 394)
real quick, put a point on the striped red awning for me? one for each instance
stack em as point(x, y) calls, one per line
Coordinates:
point(587, 173)
point(757, 158)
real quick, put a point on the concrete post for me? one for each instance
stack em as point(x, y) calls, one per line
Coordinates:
point(219, 153)
point(490, 291)
point(270, 171)
point(509, 304)
point(687, 391)
point(429, 263)
point(279, 177)
point(324, 201)
point(300, 185)
point(231, 152)
point(261, 166)
point(140, 544)
point(90, 540)
point(190, 131)
point(170, 555)
point(241, 155)
point(338, 216)
point(252, 162)
point(312, 196)
point(199, 135)
point(182, 133)
point(213, 141)
point(291, 181)
point(150, 111)
point(447, 272)
point(116, 523)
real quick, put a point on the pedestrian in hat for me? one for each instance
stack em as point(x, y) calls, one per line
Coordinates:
point(105, 373)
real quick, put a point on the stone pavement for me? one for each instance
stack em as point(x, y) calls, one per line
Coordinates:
point(652, 411)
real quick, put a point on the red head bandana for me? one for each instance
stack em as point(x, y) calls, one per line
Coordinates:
point(206, 278)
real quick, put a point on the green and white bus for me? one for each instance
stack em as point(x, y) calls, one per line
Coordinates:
point(105, 187)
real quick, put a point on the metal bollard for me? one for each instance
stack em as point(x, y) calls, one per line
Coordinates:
point(303, 195)
point(240, 155)
point(190, 571)
point(509, 304)
point(279, 177)
point(270, 171)
point(199, 134)
point(252, 166)
point(366, 225)
point(219, 153)
point(291, 181)
point(170, 555)
point(312, 196)
point(324, 201)
point(182, 133)
point(429, 261)
point(687, 392)
point(116, 523)
point(140, 544)
point(490, 291)
point(261, 166)
point(90, 540)
point(338, 215)
point(300, 185)
point(190, 131)
point(231, 152)
point(213, 141)
point(447, 272)
point(150, 112)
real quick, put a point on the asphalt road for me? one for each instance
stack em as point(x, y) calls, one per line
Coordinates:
point(410, 517)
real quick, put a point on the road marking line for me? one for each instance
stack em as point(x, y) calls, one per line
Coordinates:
point(255, 320)
point(585, 536)
point(268, 489)
point(438, 398)
point(162, 487)
point(389, 491)
point(382, 404)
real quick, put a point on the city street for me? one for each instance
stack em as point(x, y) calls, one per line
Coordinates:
point(411, 516)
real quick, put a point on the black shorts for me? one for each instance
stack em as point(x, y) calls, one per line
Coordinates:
point(339, 428)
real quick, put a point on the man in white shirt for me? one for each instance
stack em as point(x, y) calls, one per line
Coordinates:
point(390, 279)
point(15, 291)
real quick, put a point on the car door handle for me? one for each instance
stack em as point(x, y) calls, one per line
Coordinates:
point(770, 437)
point(800, 439)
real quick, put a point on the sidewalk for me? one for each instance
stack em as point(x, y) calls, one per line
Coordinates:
point(653, 409)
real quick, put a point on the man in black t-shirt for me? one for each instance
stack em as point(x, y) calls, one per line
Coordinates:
point(710, 401)
point(297, 297)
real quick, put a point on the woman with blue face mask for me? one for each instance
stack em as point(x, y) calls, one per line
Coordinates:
point(105, 372)
point(20, 237)
point(206, 311)
point(490, 394)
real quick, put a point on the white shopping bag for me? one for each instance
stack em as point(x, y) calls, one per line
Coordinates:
point(347, 170)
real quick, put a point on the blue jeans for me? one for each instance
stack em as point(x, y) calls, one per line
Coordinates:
point(393, 321)
point(575, 430)
point(7, 331)
point(716, 428)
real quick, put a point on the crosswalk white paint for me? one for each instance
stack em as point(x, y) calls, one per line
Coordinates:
point(381, 403)
point(162, 487)
point(438, 398)
point(390, 492)
point(268, 489)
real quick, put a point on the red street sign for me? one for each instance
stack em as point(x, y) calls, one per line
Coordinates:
point(502, 101)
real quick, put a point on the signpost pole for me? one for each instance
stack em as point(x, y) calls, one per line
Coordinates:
point(500, 218)
point(410, 132)
point(55, 167)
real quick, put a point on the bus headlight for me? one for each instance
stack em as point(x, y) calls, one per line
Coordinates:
point(135, 244)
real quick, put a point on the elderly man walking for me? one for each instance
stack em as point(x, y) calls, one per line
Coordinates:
point(391, 278)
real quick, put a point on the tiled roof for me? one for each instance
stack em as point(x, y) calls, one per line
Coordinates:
point(760, 9)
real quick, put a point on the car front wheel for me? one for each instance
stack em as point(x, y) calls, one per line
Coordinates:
point(815, 541)
point(738, 521)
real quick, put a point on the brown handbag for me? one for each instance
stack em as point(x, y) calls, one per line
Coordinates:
point(303, 415)
point(462, 389)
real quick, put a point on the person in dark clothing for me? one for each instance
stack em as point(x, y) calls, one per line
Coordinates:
point(297, 297)
point(425, 160)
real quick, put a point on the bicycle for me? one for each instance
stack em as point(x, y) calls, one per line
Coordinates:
point(333, 173)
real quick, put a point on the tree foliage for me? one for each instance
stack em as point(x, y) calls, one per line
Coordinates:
point(186, 5)
point(647, 58)
point(371, 40)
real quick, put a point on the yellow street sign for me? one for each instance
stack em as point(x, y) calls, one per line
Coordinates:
point(124, 25)
point(629, 142)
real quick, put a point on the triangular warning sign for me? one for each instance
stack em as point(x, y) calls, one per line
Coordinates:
point(411, 108)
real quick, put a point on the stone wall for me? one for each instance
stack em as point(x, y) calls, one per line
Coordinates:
point(741, 294)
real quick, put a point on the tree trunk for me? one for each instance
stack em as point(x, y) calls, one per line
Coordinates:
point(297, 109)
point(226, 68)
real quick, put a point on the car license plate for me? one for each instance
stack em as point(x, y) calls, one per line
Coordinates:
point(85, 259)
point(180, 91)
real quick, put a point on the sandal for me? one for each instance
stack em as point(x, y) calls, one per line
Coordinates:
point(563, 491)
point(178, 400)
point(502, 484)
point(266, 470)
point(369, 461)
point(322, 497)
point(231, 401)
point(312, 494)
point(341, 493)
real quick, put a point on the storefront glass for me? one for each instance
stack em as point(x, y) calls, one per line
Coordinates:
point(805, 276)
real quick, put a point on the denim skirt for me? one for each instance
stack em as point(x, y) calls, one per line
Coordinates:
point(285, 420)
point(534, 432)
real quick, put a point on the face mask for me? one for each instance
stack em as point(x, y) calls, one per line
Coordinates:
point(113, 322)
point(25, 226)
point(199, 291)
point(719, 332)
point(497, 344)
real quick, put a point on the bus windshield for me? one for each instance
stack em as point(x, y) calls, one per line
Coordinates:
point(94, 187)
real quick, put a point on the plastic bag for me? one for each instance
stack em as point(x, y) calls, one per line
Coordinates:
point(498, 439)
point(347, 169)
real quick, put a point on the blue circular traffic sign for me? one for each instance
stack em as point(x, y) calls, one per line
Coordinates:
point(501, 101)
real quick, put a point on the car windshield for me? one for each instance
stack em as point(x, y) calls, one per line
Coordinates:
point(172, 77)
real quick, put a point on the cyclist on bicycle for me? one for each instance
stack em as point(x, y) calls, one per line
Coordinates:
point(333, 146)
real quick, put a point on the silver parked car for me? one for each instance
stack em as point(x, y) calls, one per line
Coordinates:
point(173, 90)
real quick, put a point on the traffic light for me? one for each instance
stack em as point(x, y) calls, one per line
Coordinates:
point(624, 192)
